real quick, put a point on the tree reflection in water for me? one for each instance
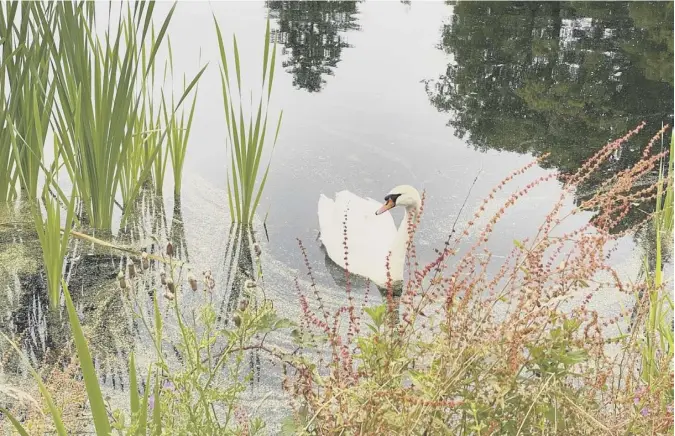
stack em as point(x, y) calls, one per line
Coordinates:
point(558, 77)
point(311, 34)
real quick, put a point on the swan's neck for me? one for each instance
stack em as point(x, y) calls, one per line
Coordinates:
point(400, 245)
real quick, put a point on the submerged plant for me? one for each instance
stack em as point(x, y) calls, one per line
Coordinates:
point(246, 132)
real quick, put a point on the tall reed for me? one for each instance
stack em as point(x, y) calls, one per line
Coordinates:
point(154, 142)
point(26, 95)
point(246, 132)
point(98, 102)
point(53, 236)
point(178, 134)
point(658, 346)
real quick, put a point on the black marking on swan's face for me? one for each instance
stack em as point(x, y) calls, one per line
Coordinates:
point(389, 202)
point(392, 197)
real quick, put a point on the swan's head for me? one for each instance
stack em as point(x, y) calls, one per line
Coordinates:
point(402, 195)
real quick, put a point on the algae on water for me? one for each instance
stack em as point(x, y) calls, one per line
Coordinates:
point(17, 258)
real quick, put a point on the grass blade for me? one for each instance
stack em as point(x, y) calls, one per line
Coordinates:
point(157, 409)
point(98, 409)
point(133, 386)
point(143, 416)
point(160, 37)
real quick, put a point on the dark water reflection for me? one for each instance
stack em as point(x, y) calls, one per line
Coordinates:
point(558, 77)
point(312, 35)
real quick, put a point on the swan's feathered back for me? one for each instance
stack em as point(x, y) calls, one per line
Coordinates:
point(369, 236)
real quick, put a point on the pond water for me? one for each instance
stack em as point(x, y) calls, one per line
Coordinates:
point(377, 94)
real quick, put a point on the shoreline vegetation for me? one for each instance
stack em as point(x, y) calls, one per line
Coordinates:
point(461, 351)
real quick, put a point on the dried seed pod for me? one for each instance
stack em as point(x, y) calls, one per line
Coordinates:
point(145, 262)
point(169, 284)
point(132, 268)
point(169, 249)
point(243, 304)
point(209, 282)
point(162, 277)
point(256, 248)
point(122, 280)
point(192, 281)
point(250, 283)
point(237, 320)
point(169, 295)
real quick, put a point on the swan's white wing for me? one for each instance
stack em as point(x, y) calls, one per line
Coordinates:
point(369, 236)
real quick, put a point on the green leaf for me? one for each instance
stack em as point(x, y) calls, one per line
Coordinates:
point(289, 427)
point(284, 324)
point(574, 357)
point(377, 314)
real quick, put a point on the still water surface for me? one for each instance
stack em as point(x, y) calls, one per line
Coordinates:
point(377, 94)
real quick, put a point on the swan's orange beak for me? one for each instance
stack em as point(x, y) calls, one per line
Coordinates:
point(385, 207)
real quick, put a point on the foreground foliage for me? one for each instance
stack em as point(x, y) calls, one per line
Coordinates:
point(463, 351)
point(512, 346)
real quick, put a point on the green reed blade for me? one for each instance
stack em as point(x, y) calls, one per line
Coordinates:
point(25, 71)
point(97, 114)
point(143, 416)
point(179, 146)
point(160, 36)
point(267, 169)
point(192, 84)
point(266, 51)
point(148, 16)
point(157, 409)
point(667, 211)
point(272, 64)
point(245, 147)
point(158, 324)
point(98, 408)
point(237, 200)
point(133, 386)
point(221, 47)
point(236, 63)
point(226, 105)
point(170, 56)
point(254, 148)
point(236, 138)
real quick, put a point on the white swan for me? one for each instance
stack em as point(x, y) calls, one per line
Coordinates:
point(371, 232)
